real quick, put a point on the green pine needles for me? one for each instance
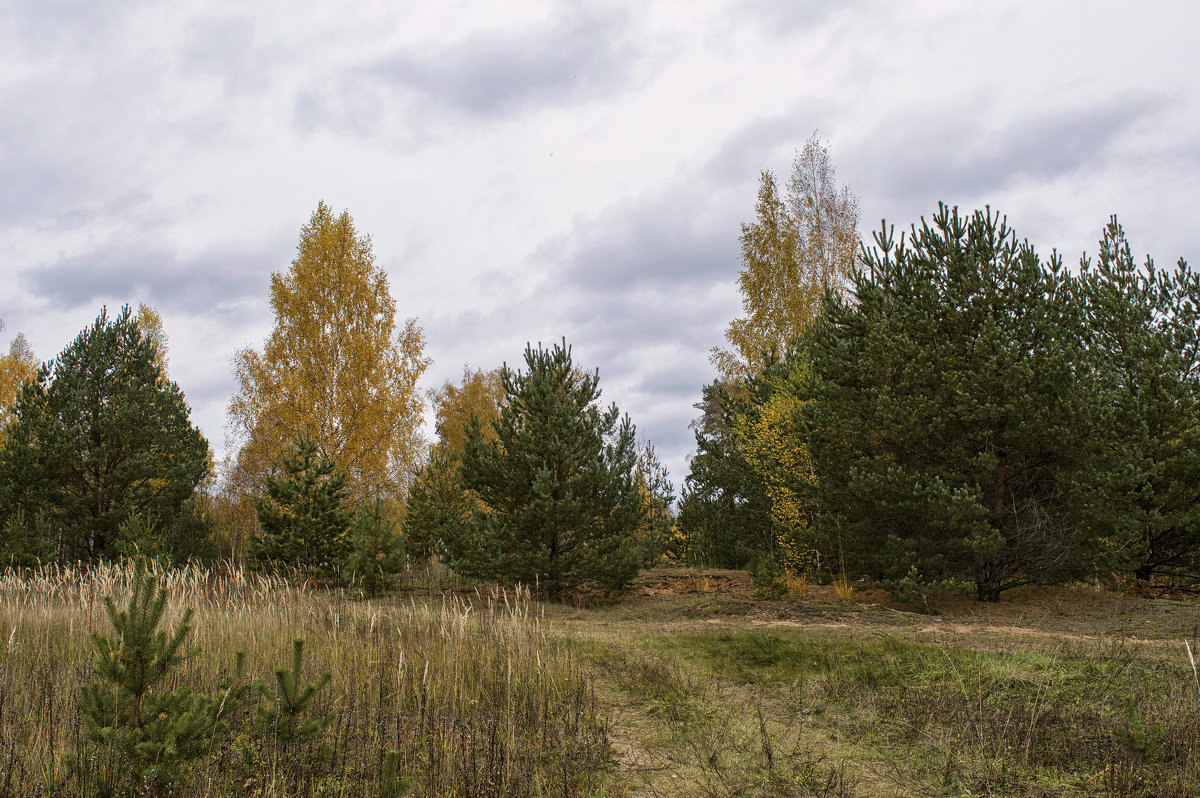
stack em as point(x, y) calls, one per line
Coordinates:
point(304, 523)
point(952, 409)
point(283, 717)
point(560, 503)
point(155, 733)
point(150, 736)
point(377, 551)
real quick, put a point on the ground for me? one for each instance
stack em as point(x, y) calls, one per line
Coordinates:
point(1051, 691)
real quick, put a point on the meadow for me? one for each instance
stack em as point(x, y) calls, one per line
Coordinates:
point(686, 686)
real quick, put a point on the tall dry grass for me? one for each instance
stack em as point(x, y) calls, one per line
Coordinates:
point(472, 696)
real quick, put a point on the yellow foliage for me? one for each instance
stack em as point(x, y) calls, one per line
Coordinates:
point(675, 548)
point(769, 441)
point(798, 247)
point(334, 368)
point(16, 367)
point(150, 323)
point(480, 394)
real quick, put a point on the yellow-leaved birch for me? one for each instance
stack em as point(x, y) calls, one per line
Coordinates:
point(334, 369)
point(151, 325)
point(479, 393)
point(798, 246)
point(16, 367)
point(777, 454)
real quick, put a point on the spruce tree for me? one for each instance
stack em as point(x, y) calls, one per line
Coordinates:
point(953, 412)
point(560, 502)
point(304, 524)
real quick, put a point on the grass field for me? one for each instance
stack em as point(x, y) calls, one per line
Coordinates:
point(687, 686)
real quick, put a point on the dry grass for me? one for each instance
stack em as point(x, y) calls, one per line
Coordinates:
point(688, 687)
point(473, 696)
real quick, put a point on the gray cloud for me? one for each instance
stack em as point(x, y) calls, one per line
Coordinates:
point(45, 25)
point(951, 154)
point(784, 19)
point(214, 280)
point(680, 236)
point(228, 48)
point(750, 150)
point(649, 344)
point(644, 288)
point(497, 73)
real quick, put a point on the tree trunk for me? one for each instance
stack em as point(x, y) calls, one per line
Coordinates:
point(987, 584)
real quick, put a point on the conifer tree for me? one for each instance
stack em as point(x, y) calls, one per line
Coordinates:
point(155, 733)
point(303, 521)
point(952, 411)
point(377, 551)
point(657, 494)
point(284, 716)
point(27, 542)
point(438, 504)
point(100, 436)
point(725, 510)
point(1144, 329)
point(560, 506)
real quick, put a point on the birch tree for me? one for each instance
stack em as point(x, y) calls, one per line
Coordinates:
point(799, 245)
point(335, 370)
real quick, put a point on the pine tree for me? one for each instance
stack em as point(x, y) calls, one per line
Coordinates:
point(439, 507)
point(303, 521)
point(560, 503)
point(377, 551)
point(657, 495)
point(283, 718)
point(100, 436)
point(27, 542)
point(952, 412)
point(1144, 329)
point(438, 504)
point(725, 511)
point(155, 733)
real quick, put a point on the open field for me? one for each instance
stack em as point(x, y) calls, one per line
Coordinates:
point(688, 686)
point(1050, 692)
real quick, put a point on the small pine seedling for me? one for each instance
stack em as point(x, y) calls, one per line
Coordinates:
point(282, 716)
point(155, 734)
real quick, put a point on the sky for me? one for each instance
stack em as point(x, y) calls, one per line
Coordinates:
point(530, 171)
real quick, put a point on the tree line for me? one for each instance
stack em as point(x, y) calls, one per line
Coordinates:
point(945, 408)
point(948, 407)
point(532, 479)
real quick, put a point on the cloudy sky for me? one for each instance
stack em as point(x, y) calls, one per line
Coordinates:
point(534, 170)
